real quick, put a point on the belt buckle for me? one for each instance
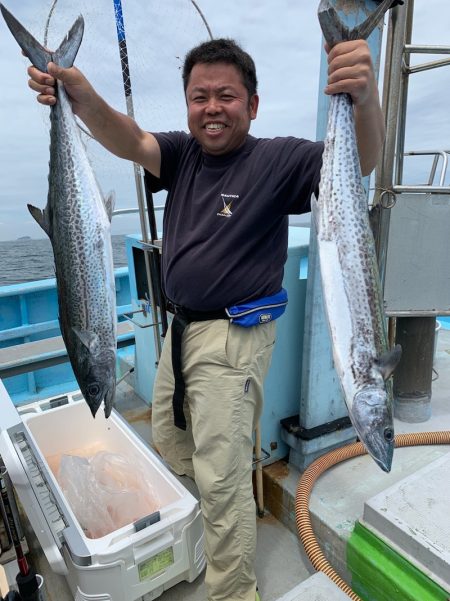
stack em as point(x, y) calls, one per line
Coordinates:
point(172, 307)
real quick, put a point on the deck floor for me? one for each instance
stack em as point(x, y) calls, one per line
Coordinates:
point(281, 562)
point(337, 500)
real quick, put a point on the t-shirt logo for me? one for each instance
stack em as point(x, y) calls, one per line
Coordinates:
point(226, 211)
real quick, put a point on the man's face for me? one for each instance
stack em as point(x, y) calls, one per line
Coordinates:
point(219, 109)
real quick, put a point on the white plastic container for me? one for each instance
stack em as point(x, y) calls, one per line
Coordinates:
point(137, 561)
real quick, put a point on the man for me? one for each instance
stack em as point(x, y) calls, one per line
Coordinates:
point(225, 244)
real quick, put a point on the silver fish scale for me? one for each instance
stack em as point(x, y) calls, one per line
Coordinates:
point(78, 225)
point(348, 265)
point(347, 254)
point(80, 234)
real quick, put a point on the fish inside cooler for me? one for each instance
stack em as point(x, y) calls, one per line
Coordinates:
point(108, 477)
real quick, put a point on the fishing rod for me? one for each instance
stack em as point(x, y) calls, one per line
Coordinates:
point(30, 585)
point(155, 273)
point(5, 545)
point(154, 268)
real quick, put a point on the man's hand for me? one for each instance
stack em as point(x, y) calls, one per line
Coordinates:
point(350, 71)
point(76, 85)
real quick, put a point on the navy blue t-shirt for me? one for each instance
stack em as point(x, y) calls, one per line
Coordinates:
point(225, 227)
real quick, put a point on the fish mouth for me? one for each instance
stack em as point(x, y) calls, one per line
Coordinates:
point(384, 458)
point(372, 419)
point(108, 400)
point(380, 449)
point(95, 395)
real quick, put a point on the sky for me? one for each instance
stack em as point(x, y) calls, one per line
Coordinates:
point(283, 36)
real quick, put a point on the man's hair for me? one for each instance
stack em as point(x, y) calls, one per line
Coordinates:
point(222, 50)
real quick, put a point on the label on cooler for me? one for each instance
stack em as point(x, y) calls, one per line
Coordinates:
point(156, 564)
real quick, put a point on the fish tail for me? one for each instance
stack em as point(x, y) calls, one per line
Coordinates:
point(38, 55)
point(68, 49)
point(334, 30)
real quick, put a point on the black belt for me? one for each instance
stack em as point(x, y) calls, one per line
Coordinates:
point(184, 317)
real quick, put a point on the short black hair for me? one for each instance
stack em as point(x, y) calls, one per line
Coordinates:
point(222, 50)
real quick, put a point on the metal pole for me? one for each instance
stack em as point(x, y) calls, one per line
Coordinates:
point(259, 473)
point(120, 26)
point(412, 381)
point(413, 376)
point(391, 105)
point(404, 89)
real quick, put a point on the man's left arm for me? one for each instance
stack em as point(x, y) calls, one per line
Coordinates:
point(350, 71)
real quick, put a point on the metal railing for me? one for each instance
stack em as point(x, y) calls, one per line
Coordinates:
point(389, 174)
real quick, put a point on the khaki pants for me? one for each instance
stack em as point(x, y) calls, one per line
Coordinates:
point(224, 367)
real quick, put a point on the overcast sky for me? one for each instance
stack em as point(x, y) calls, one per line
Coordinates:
point(283, 37)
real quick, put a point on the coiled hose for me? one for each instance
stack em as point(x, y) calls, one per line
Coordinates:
point(312, 473)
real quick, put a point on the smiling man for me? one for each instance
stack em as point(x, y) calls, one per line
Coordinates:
point(224, 248)
point(220, 107)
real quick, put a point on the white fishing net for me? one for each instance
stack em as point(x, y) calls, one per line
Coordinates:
point(158, 35)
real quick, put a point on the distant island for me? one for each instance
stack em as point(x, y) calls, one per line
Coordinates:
point(24, 238)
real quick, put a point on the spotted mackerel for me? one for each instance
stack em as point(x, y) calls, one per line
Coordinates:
point(77, 221)
point(349, 269)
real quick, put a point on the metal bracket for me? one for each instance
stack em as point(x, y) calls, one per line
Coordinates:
point(266, 456)
point(136, 323)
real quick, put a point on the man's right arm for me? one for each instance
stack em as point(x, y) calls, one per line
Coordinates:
point(117, 132)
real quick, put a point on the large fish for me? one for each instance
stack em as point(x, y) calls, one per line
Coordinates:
point(349, 269)
point(77, 221)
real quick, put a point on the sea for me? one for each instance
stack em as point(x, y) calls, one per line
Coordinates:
point(26, 260)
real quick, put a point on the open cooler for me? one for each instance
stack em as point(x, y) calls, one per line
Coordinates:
point(161, 542)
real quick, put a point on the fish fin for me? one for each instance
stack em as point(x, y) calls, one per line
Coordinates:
point(334, 30)
point(37, 54)
point(68, 49)
point(109, 203)
point(42, 218)
point(388, 361)
point(89, 339)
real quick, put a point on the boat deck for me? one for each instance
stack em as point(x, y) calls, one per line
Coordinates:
point(281, 562)
point(337, 501)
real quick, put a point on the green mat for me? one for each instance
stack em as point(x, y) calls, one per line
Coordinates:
point(381, 574)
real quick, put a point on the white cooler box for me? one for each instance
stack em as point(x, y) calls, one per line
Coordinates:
point(136, 561)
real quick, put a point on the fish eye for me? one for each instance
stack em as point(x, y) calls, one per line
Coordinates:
point(388, 434)
point(93, 389)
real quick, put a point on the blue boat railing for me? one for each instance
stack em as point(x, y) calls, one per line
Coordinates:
point(33, 358)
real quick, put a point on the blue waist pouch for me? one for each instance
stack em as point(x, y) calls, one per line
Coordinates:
point(261, 310)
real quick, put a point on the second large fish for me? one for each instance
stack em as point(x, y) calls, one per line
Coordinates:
point(77, 221)
point(349, 269)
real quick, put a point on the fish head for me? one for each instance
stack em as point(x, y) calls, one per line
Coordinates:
point(98, 383)
point(373, 421)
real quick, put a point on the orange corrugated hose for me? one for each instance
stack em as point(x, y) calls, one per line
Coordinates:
point(312, 473)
